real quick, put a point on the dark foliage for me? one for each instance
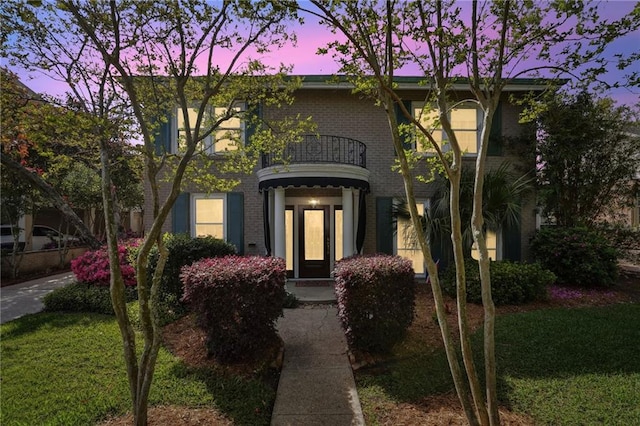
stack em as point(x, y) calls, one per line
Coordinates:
point(376, 300)
point(512, 283)
point(183, 251)
point(81, 297)
point(237, 301)
point(578, 256)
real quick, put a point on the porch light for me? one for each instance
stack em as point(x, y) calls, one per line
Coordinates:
point(314, 202)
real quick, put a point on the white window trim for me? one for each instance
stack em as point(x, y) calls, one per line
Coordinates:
point(202, 196)
point(427, 205)
point(208, 141)
point(446, 146)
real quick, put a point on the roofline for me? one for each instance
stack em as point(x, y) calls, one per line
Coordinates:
point(320, 81)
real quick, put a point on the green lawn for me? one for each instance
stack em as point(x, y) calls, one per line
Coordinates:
point(559, 366)
point(67, 369)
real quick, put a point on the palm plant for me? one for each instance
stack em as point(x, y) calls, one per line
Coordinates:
point(502, 195)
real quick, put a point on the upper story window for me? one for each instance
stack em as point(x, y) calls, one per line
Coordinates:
point(466, 122)
point(227, 137)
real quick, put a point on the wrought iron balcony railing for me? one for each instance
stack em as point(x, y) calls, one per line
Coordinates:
point(321, 149)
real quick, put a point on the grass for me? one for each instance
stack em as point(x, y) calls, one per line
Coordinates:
point(67, 369)
point(558, 366)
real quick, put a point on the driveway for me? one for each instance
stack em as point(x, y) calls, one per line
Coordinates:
point(26, 298)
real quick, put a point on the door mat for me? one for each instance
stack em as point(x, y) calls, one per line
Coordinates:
point(327, 283)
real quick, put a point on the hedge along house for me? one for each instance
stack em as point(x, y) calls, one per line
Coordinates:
point(335, 197)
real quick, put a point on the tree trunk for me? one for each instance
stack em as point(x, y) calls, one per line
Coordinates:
point(477, 228)
point(117, 287)
point(458, 255)
point(461, 386)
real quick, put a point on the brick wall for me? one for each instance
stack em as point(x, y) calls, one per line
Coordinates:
point(340, 113)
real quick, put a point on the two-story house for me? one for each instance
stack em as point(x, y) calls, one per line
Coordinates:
point(335, 197)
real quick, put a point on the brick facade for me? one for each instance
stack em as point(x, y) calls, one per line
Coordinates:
point(337, 111)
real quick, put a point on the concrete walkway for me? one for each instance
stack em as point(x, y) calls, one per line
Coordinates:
point(26, 298)
point(316, 382)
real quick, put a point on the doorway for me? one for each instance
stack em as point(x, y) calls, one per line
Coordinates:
point(314, 242)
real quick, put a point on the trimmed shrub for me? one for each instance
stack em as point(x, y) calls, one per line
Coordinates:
point(376, 300)
point(183, 251)
point(578, 256)
point(93, 267)
point(237, 301)
point(512, 283)
point(81, 297)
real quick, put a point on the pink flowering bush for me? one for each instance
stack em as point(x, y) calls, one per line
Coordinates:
point(376, 300)
point(237, 301)
point(93, 267)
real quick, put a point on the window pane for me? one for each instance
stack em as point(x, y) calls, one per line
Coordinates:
point(224, 141)
point(468, 141)
point(338, 234)
point(209, 211)
point(193, 116)
point(408, 246)
point(288, 233)
point(314, 234)
point(203, 230)
point(464, 118)
point(415, 256)
point(429, 120)
point(229, 133)
point(492, 246)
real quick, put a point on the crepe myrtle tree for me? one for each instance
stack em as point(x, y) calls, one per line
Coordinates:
point(488, 44)
point(131, 63)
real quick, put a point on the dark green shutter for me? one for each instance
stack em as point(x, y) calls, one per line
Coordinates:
point(384, 225)
point(511, 239)
point(162, 139)
point(180, 217)
point(235, 220)
point(495, 135)
point(402, 119)
point(251, 124)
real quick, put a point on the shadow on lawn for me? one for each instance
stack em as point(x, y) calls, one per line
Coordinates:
point(34, 322)
point(245, 400)
point(550, 343)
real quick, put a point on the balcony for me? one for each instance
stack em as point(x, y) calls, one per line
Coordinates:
point(317, 161)
point(321, 149)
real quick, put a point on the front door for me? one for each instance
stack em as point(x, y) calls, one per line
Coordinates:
point(314, 242)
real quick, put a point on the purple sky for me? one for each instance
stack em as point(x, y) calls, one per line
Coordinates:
point(311, 36)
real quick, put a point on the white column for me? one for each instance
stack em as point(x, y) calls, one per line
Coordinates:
point(271, 222)
point(348, 248)
point(279, 243)
point(356, 217)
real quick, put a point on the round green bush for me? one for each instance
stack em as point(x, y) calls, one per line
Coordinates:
point(183, 250)
point(578, 256)
point(81, 297)
point(512, 283)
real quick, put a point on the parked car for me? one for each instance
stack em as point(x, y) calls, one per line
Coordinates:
point(6, 238)
point(42, 238)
